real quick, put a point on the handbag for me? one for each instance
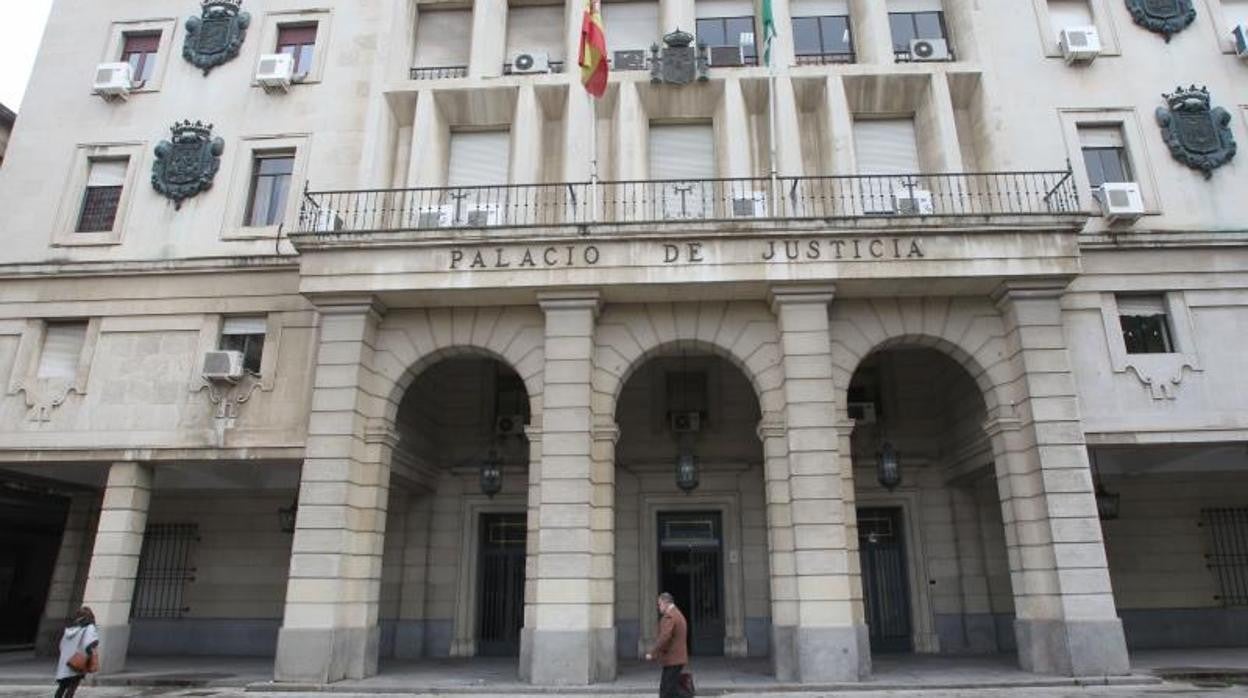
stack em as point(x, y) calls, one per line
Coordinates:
point(84, 663)
point(685, 685)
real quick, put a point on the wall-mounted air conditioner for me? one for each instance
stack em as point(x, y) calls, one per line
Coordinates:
point(629, 60)
point(685, 422)
point(1120, 201)
point(434, 216)
point(929, 50)
point(725, 56)
point(753, 205)
point(528, 62)
point(223, 366)
point(481, 216)
point(275, 71)
point(509, 425)
point(913, 202)
point(113, 81)
point(1079, 44)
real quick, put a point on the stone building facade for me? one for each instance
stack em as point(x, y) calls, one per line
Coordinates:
point(493, 331)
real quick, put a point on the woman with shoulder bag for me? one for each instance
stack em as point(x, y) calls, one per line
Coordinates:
point(79, 653)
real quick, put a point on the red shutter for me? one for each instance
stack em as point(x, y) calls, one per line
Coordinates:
point(141, 43)
point(297, 35)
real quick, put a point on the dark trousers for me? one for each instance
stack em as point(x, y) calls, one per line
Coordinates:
point(669, 684)
point(65, 687)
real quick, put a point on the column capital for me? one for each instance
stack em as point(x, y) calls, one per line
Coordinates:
point(379, 431)
point(571, 299)
point(605, 430)
point(800, 293)
point(350, 304)
point(1029, 289)
point(771, 426)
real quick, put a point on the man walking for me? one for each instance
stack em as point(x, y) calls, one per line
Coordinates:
point(671, 648)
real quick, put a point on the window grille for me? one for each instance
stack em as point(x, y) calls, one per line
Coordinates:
point(1228, 556)
point(164, 571)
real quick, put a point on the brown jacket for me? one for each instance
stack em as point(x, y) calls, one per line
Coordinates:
point(671, 648)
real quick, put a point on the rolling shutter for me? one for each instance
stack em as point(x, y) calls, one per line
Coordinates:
point(479, 158)
point(107, 173)
point(62, 345)
point(252, 324)
point(634, 25)
point(685, 151)
point(914, 6)
point(724, 8)
point(886, 146)
point(1141, 306)
point(443, 38)
point(531, 29)
point(1069, 13)
point(819, 8)
point(1101, 137)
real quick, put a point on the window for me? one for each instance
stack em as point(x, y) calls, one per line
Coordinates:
point(62, 349)
point(1104, 154)
point(907, 26)
point(298, 41)
point(823, 39)
point(1145, 329)
point(443, 39)
point(634, 25)
point(538, 28)
point(886, 146)
point(245, 335)
point(270, 186)
point(165, 566)
point(479, 158)
point(684, 153)
point(105, 180)
point(729, 31)
point(1065, 14)
point(139, 50)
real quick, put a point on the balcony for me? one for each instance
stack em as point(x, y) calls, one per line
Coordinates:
point(616, 203)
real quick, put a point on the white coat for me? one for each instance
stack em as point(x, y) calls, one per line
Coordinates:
point(76, 639)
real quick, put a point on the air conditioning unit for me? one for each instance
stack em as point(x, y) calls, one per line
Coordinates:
point(113, 80)
point(434, 216)
point(527, 62)
point(1079, 44)
point(929, 50)
point(913, 202)
point(1239, 37)
point(326, 220)
point(509, 425)
point(629, 60)
point(275, 71)
point(223, 366)
point(481, 217)
point(1120, 201)
point(686, 422)
point(862, 412)
point(720, 56)
point(752, 206)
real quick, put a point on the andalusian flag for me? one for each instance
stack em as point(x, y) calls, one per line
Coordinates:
point(593, 54)
point(769, 31)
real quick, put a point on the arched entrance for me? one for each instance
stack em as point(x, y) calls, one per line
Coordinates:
point(453, 573)
point(931, 541)
point(690, 505)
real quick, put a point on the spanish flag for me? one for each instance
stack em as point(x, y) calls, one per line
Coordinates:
point(593, 53)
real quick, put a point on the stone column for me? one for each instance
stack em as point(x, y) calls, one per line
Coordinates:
point(489, 38)
point(780, 557)
point(572, 638)
point(829, 641)
point(330, 629)
point(732, 124)
point(838, 125)
point(873, 40)
point(65, 591)
point(115, 559)
point(1065, 619)
point(527, 149)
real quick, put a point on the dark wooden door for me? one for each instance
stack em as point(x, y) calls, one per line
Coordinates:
point(882, 551)
point(500, 584)
point(691, 569)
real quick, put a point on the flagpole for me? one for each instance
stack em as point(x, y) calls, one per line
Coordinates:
point(768, 35)
point(593, 157)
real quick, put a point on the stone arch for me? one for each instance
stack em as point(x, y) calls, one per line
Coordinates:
point(410, 341)
point(968, 330)
point(743, 333)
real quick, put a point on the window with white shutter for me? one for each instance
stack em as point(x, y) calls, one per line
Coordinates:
point(1065, 14)
point(532, 29)
point(886, 146)
point(682, 151)
point(479, 158)
point(443, 38)
point(62, 348)
point(634, 25)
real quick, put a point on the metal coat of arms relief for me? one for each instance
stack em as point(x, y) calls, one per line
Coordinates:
point(187, 163)
point(678, 61)
point(215, 37)
point(1166, 17)
point(1198, 136)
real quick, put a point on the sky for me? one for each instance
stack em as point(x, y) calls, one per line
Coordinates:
point(20, 33)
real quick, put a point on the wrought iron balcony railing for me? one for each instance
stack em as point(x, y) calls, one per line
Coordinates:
point(438, 72)
point(658, 201)
point(826, 58)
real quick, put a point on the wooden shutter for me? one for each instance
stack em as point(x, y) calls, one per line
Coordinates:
point(1069, 13)
point(684, 151)
point(251, 324)
point(886, 146)
point(443, 38)
point(62, 346)
point(107, 173)
point(536, 29)
point(819, 8)
point(479, 158)
point(1101, 137)
point(634, 25)
point(723, 8)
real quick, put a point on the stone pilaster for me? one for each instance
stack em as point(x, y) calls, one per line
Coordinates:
point(65, 591)
point(330, 630)
point(1066, 622)
point(115, 559)
point(572, 636)
point(489, 38)
point(828, 642)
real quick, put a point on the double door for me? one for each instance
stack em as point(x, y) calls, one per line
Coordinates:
point(691, 570)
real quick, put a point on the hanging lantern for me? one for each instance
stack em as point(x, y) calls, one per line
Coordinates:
point(286, 516)
point(491, 474)
point(686, 470)
point(888, 466)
